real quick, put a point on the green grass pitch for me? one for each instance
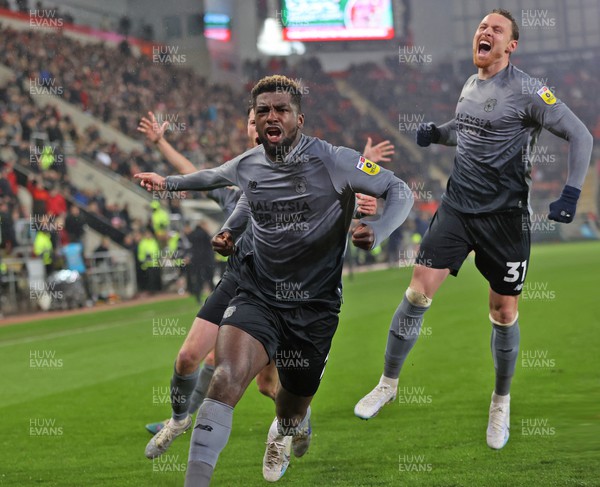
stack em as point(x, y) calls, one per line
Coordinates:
point(77, 391)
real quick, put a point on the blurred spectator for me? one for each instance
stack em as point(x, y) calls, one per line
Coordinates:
point(22, 5)
point(75, 224)
point(124, 25)
point(8, 172)
point(7, 228)
point(201, 267)
point(160, 222)
point(102, 249)
point(39, 194)
point(53, 131)
point(43, 247)
point(6, 189)
point(56, 204)
point(148, 253)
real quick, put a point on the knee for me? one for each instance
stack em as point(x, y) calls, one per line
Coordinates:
point(417, 298)
point(187, 361)
point(503, 314)
point(225, 385)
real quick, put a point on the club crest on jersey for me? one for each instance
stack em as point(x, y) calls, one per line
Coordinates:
point(490, 104)
point(546, 95)
point(252, 186)
point(368, 167)
point(300, 184)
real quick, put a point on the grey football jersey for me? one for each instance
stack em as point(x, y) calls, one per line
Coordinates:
point(226, 198)
point(497, 122)
point(300, 213)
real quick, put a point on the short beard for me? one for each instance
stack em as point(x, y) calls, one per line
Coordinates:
point(278, 153)
point(486, 63)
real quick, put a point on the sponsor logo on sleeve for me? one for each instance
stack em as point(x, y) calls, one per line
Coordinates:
point(367, 166)
point(546, 95)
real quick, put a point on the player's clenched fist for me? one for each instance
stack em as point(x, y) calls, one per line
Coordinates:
point(563, 209)
point(363, 236)
point(427, 134)
point(223, 243)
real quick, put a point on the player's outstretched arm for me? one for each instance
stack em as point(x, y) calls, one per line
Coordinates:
point(429, 133)
point(379, 152)
point(155, 134)
point(206, 179)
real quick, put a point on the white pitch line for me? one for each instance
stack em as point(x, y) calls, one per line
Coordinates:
point(60, 334)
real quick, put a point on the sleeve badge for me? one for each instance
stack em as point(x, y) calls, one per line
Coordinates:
point(368, 167)
point(546, 95)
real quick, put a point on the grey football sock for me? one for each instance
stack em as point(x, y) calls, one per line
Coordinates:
point(181, 389)
point(209, 437)
point(505, 351)
point(404, 331)
point(206, 373)
point(198, 474)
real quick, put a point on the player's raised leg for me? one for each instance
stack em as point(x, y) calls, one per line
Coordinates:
point(505, 350)
point(198, 343)
point(239, 358)
point(404, 331)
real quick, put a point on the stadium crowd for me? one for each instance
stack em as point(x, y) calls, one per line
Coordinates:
point(207, 121)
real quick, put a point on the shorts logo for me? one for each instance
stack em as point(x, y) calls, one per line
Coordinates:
point(300, 184)
point(252, 185)
point(368, 167)
point(228, 312)
point(490, 104)
point(546, 95)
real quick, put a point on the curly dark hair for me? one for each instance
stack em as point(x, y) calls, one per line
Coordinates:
point(278, 84)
